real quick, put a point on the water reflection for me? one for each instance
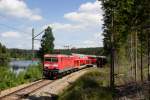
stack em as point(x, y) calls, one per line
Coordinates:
point(21, 65)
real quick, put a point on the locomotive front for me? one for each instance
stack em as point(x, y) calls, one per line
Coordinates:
point(51, 65)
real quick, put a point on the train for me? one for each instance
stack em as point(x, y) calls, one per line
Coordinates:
point(57, 65)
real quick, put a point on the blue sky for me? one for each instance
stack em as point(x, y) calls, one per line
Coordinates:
point(77, 23)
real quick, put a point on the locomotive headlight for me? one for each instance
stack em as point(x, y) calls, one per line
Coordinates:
point(46, 65)
point(55, 65)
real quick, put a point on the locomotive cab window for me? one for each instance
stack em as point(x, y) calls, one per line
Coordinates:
point(51, 59)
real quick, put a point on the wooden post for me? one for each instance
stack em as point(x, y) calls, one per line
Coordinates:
point(32, 44)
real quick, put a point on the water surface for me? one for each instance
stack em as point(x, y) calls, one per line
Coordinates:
point(21, 65)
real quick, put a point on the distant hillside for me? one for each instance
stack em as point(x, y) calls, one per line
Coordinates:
point(90, 51)
point(20, 53)
point(27, 54)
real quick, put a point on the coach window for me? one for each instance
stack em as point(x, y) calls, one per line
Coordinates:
point(48, 59)
point(51, 59)
point(54, 59)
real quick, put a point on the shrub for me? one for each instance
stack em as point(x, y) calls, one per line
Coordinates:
point(89, 87)
point(9, 79)
point(33, 73)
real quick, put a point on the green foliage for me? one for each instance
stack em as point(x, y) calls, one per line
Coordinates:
point(47, 45)
point(91, 86)
point(6, 77)
point(20, 53)
point(9, 79)
point(33, 73)
point(126, 30)
point(88, 51)
point(4, 56)
point(122, 19)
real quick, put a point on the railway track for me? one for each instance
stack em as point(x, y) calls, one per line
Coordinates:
point(24, 92)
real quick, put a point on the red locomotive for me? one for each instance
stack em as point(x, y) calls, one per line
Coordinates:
point(56, 65)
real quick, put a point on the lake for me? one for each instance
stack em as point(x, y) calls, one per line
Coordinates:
point(21, 65)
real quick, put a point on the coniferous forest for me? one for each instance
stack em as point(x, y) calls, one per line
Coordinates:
point(127, 40)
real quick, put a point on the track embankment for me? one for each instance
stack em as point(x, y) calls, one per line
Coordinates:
point(51, 91)
point(42, 89)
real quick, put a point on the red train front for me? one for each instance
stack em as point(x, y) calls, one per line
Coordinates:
point(57, 65)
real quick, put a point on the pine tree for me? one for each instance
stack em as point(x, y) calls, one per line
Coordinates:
point(47, 43)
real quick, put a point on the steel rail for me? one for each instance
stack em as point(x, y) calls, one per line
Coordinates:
point(24, 92)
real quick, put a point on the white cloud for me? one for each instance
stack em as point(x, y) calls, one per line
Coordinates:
point(98, 36)
point(65, 27)
point(90, 7)
point(88, 42)
point(92, 43)
point(61, 26)
point(83, 17)
point(18, 8)
point(89, 13)
point(37, 45)
point(10, 34)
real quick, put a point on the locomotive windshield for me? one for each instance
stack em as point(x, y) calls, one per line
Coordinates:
point(51, 59)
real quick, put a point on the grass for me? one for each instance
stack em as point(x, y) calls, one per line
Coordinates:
point(92, 86)
point(9, 79)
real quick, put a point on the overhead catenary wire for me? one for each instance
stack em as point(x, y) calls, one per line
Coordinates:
point(39, 34)
point(13, 28)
